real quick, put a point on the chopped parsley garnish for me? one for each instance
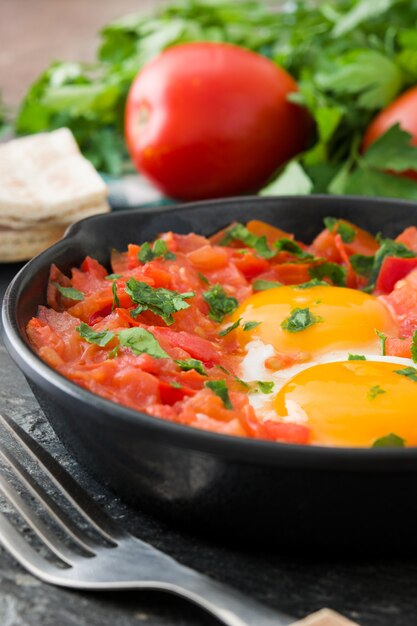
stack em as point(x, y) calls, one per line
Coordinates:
point(414, 347)
point(264, 386)
point(375, 391)
point(410, 372)
point(383, 339)
point(291, 246)
point(116, 301)
point(203, 278)
point(114, 352)
point(346, 232)
point(141, 341)
point(159, 249)
point(176, 385)
point(250, 325)
point(220, 304)
point(356, 357)
point(362, 264)
point(229, 329)
point(113, 276)
point(101, 338)
point(219, 387)
point(389, 441)
point(314, 282)
point(263, 285)
point(160, 301)
point(69, 292)
point(191, 364)
point(238, 232)
point(299, 319)
point(335, 272)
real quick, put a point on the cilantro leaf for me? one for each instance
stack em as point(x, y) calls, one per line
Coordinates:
point(362, 264)
point(375, 391)
point(112, 276)
point(101, 338)
point(383, 339)
point(220, 304)
point(191, 364)
point(239, 232)
point(116, 301)
point(409, 372)
point(335, 272)
point(389, 441)
point(291, 246)
point(356, 357)
point(263, 285)
point(159, 249)
point(219, 387)
point(160, 301)
point(69, 292)
point(414, 347)
point(265, 386)
point(346, 232)
point(250, 325)
point(299, 319)
point(139, 341)
point(229, 329)
point(314, 282)
point(392, 151)
point(203, 278)
point(175, 384)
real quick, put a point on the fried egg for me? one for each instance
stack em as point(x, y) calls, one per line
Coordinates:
point(343, 402)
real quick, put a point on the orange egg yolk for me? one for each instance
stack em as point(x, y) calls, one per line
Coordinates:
point(353, 403)
point(341, 318)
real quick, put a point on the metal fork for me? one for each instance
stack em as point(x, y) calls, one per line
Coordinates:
point(117, 559)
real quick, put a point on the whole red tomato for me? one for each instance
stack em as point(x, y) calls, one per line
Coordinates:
point(402, 111)
point(207, 119)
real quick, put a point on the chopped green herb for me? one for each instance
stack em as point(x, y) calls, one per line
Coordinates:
point(191, 364)
point(250, 325)
point(220, 304)
point(229, 329)
point(299, 320)
point(375, 391)
point(389, 441)
point(383, 339)
point(291, 246)
point(69, 292)
point(203, 278)
point(410, 372)
point(388, 248)
point(219, 387)
point(362, 264)
point(160, 301)
point(223, 369)
point(101, 338)
point(356, 357)
point(335, 272)
point(159, 249)
point(238, 232)
point(346, 232)
point(141, 341)
point(113, 353)
point(265, 387)
point(116, 301)
point(263, 285)
point(314, 282)
point(176, 385)
point(414, 347)
point(113, 276)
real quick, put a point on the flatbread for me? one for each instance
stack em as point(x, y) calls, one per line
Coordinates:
point(18, 245)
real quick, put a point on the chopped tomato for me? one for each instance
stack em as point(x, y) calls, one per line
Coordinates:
point(272, 233)
point(250, 264)
point(392, 270)
point(208, 257)
point(292, 273)
point(409, 238)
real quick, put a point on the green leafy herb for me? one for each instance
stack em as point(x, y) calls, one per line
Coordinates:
point(346, 232)
point(239, 232)
point(203, 278)
point(263, 285)
point(101, 338)
point(113, 353)
point(69, 292)
point(113, 276)
point(414, 347)
point(375, 391)
point(160, 301)
point(389, 441)
point(314, 282)
point(383, 339)
point(265, 386)
point(220, 304)
point(191, 364)
point(175, 384)
point(299, 320)
point(159, 249)
point(116, 301)
point(219, 387)
point(388, 248)
point(356, 357)
point(288, 245)
point(250, 325)
point(362, 264)
point(229, 329)
point(140, 340)
point(335, 272)
point(409, 372)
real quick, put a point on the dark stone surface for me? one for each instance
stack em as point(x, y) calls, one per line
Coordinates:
point(376, 592)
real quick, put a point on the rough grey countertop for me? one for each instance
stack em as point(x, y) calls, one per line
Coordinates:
point(372, 592)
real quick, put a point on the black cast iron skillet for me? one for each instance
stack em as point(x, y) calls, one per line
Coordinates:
point(296, 497)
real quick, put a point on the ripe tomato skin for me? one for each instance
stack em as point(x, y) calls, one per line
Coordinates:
point(207, 119)
point(402, 111)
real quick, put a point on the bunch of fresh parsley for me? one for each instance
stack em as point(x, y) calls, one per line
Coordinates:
point(350, 59)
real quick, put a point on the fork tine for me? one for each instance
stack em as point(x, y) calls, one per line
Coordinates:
point(60, 517)
point(38, 527)
point(66, 484)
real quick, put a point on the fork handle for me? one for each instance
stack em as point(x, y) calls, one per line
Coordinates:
point(229, 606)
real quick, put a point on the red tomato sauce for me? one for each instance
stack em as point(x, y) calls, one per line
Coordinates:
point(85, 329)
